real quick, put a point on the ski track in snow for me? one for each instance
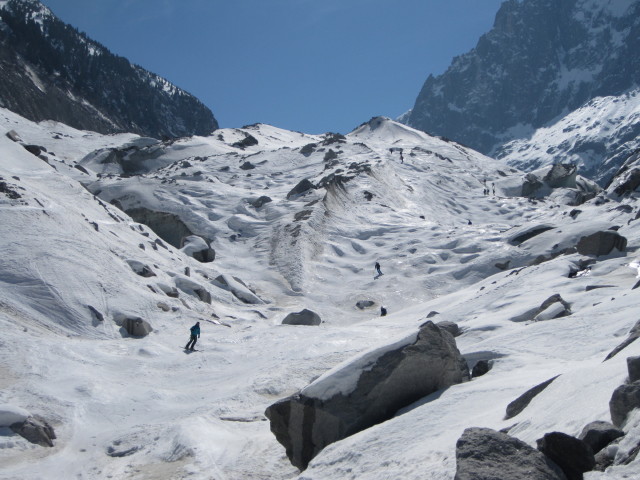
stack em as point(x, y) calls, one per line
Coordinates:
point(142, 408)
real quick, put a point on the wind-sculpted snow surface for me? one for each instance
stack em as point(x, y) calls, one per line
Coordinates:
point(74, 263)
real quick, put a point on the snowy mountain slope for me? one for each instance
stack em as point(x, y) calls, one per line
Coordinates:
point(542, 69)
point(597, 137)
point(53, 71)
point(141, 408)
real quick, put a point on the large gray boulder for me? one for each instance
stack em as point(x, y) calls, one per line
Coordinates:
point(633, 366)
point(571, 454)
point(136, 326)
point(302, 187)
point(485, 454)
point(601, 243)
point(365, 392)
point(624, 399)
point(304, 317)
point(599, 434)
point(36, 430)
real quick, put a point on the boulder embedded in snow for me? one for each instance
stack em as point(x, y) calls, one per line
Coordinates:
point(36, 430)
point(481, 368)
point(366, 391)
point(485, 454)
point(305, 317)
point(302, 187)
point(238, 288)
point(260, 201)
point(134, 326)
point(633, 366)
point(362, 304)
point(601, 243)
point(624, 399)
point(198, 248)
point(599, 434)
point(520, 403)
point(571, 454)
point(561, 175)
point(553, 307)
point(141, 269)
point(193, 288)
point(13, 136)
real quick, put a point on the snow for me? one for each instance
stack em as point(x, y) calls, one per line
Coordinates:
point(10, 414)
point(141, 408)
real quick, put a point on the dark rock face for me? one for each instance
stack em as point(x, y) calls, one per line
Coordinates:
point(324, 412)
point(601, 243)
point(599, 434)
point(305, 317)
point(633, 336)
point(520, 403)
point(484, 454)
point(572, 455)
point(52, 71)
point(624, 399)
point(36, 430)
point(516, 73)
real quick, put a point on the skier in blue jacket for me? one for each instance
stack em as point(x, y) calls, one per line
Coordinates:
point(195, 335)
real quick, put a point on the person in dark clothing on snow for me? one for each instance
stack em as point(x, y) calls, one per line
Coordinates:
point(377, 266)
point(383, 311)
point(195, 335)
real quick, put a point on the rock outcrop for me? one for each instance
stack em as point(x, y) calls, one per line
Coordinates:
point(198, 248)
point(485, 454)
point(367, 391)
point(36, 430)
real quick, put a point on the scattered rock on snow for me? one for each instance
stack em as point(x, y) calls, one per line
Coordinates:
point(624, 399)
point(238, 288)
point(302, 187)
point(260, 201)
point(601, 243)
point(134, 326)
point(480, 368)
point(553, 307)
point(599, 434)
point(633, 365)
point(520, 403)
point(36, 430)
point(198, 248)
point(191, 287)
point(362, 304)
point(367, 391)
point(485, 454)
point(141, 269)
point(304, 317)
point(571, 454)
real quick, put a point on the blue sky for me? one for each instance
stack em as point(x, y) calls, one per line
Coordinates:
point(307, 65)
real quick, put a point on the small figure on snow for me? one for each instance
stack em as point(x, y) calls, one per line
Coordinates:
point(377, 266)
point(383, 311)
point(195, 335)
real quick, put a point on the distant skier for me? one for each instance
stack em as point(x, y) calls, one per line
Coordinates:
point(377, 266)
point(195, 335)
point(383, 311)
